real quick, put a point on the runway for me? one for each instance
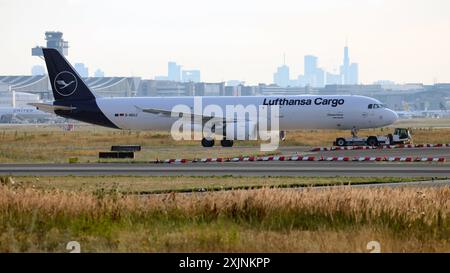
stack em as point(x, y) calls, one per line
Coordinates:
point(413, 152)
point(323, 169)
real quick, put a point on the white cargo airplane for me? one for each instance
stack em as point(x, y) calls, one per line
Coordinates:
point(73, 99)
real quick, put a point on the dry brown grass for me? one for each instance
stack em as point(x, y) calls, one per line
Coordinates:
point(58, 146)
point(426, 123)
point(332, 220)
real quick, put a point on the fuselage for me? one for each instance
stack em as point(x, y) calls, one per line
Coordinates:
point(295, 112)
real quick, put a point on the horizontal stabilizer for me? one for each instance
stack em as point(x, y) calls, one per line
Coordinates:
point(50, 108)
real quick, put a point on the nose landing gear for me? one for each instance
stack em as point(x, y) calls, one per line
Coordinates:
point(207, 143)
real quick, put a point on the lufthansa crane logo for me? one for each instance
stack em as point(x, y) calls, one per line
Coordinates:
point(65, 83)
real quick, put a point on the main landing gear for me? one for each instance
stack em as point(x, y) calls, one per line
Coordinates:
point(226, 143)
point(210, 142)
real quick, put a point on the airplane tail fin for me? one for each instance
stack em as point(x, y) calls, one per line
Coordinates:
point(66, 84)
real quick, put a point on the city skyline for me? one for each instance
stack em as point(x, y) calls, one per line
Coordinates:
point(235, 40)
point(315, 76)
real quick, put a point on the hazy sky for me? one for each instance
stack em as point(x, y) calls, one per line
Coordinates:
point(400, 40)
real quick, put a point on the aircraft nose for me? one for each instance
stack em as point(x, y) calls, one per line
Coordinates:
point(391, 116)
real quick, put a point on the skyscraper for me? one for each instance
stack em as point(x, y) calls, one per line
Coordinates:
point(314, 76)
point(320, 78)
point(345, 66)
point(353, 74)
point(281, 77)
point(349, 72)
point(310, 65)
point(174, 72)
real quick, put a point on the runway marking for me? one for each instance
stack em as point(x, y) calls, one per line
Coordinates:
point(397, 146)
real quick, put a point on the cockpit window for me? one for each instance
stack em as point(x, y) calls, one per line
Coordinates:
point(376, 106)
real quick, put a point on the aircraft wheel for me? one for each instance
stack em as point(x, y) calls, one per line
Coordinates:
point(372, 141)
point(226, 143)
point(340, 142)
point(207, 143)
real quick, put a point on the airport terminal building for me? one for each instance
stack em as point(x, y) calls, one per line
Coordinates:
point(397, 97)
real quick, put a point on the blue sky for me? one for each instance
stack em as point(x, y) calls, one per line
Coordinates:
point(400, 40)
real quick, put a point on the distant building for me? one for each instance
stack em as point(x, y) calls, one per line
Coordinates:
point(248, 90)
point(161, 78)
point(234, 83)
point(349, 72)
point(281, 77)
point(102, 86)
point(99, 73)
point(82, 70)
point(333, 78)
point(4, 86)
point(190, 76)
point(209, 89)
point(314, 76)
point(345, 66)
point(164, 88)
point(384, 82)
point(54, 40)
point(353, 74)
point(114, 86)
point(272, 89)
point(310, 65)
point(301, 80)
point(351, 89)
point(37, 70)
point(241, 90)
point(174, 72)
point(233, 90)
point(320, 78)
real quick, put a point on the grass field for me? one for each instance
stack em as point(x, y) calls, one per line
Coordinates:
point(343, 219)
point(30, 144)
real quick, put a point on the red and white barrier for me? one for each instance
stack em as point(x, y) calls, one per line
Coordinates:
point(307, 158)
point(431, 159)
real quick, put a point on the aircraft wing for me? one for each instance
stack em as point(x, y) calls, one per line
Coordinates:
point(50, 108)
point(204, 118)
